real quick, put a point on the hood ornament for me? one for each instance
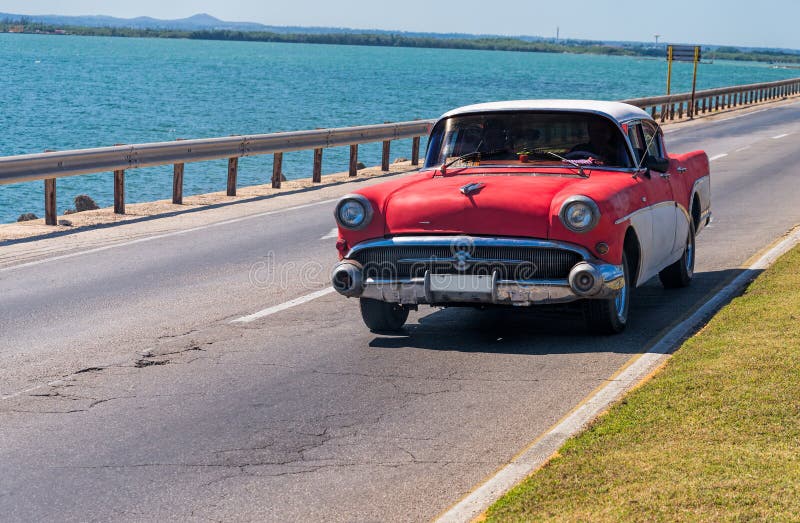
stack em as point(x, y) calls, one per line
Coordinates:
point(471, 188)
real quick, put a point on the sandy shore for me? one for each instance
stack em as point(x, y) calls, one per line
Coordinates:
point(133, 211)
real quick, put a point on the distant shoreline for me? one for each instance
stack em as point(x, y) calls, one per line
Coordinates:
point(393, 40)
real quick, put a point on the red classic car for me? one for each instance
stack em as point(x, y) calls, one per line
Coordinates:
point(525, 203)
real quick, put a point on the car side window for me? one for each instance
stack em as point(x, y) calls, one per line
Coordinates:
point(652, 140)
point(637, 142)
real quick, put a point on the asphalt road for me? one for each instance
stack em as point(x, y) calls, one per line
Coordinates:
point(128, 394)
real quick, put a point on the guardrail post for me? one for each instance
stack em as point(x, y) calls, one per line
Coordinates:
point(415, 151)
point(233, 170)
point(385, 155)
point(317, 176)
point(353, 160)
point(177, 183)
point(119, 192)
point(277, 167)
point(50, 212)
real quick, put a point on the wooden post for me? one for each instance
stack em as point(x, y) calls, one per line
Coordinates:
point(177, 183)
point(119, 192)
point(277, 167)
point(317, 177)
point(385, 156)
point(233, 169)
point(50, 212)
point(415, 151)
point(353, 160)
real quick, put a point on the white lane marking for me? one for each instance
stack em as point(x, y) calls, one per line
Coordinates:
point(283, 306)
point(165, 235)
point(246, 319)
point(717, 157)
point(540, 451)
point(333, 234)
point(780, 136)
point(740, 149)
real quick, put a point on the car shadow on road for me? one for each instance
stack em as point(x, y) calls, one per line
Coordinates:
point(556, 331)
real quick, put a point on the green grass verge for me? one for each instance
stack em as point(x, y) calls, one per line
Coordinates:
point(714, 436)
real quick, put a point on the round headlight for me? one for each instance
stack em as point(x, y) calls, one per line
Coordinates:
point(353, 212)
point(579, 214)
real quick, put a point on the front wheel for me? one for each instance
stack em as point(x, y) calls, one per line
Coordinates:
point(380, 316)
point(680, 273)
point(610, 316)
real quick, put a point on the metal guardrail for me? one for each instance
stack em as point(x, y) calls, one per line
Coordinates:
point(669, 106)
point(49, 166)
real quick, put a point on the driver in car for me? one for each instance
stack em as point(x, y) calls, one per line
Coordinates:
point(601, 145)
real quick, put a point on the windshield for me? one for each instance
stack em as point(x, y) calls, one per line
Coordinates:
point(524, 138)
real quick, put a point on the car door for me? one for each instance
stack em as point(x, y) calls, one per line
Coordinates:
point(676, 184)
point(660, 206)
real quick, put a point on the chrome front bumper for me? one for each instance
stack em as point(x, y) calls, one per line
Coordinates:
point(603, 281)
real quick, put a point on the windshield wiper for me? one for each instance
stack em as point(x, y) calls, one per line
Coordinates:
point(461, 158)
point(572, 163)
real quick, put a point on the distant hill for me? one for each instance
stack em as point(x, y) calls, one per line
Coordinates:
point(206, 22)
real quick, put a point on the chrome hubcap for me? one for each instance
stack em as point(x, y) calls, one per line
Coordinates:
point(689, 256)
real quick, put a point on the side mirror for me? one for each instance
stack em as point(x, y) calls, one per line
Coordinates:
point(656, 163)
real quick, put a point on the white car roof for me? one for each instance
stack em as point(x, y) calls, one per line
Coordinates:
point(618, 111)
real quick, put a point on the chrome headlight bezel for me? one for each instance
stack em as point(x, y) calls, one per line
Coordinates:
point(358, 199)
point(579, 199)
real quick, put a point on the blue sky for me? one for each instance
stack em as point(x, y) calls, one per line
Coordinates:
point(767, 23)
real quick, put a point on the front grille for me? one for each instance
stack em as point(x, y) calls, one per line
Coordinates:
point(511, 262)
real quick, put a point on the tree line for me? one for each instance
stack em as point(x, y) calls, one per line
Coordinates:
point(393, 40)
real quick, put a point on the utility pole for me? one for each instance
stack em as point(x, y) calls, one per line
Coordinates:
point(558, 33)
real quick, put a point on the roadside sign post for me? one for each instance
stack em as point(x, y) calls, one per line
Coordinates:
point(684, 53)
point(694, 79)
point(669, 68)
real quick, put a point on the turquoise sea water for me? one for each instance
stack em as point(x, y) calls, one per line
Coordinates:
point(64, 92)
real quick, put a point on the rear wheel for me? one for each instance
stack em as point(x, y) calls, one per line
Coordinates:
point(610, 316)
point(680, 273)
point(380, 316)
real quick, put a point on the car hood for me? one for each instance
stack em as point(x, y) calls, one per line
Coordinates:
point(503, 205)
